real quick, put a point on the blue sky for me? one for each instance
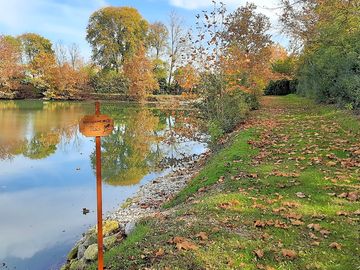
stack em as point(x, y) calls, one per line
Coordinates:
point(66, 20)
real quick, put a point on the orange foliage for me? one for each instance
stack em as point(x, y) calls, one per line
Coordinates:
point(187, 77)
point(277, 53)
point(250, 73)
point(10, 67)
point(60, 82)
point(138, 70)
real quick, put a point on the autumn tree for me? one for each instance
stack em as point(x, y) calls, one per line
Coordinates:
point(158, 38)
point(139, 71)
point(34, 44)
point(114, 34)
point(10, 68)
point(248, 30)
point(187, 77)
point(248, 49)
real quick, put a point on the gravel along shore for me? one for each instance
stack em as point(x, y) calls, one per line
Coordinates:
point(146, 202)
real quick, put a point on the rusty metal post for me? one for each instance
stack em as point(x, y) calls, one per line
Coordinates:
point(99, 196)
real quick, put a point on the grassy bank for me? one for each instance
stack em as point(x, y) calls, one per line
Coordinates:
point(284, 194)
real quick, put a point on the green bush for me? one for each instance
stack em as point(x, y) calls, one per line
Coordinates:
point(281, 88)
point(331, 74)
point(109, 81)
point(165, 89)
point(329, 69)
point(220, 109)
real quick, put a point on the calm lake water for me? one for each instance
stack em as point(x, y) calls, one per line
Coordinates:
point(47, 171)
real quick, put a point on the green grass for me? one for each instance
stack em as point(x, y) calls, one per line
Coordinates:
point(294, 147)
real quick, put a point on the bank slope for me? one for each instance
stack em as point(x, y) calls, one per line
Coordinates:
point(284, 194)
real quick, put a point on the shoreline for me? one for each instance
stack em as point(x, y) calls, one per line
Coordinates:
point(146, 202)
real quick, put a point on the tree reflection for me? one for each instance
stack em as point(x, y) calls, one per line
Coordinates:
point(144, 140)
point(127, 155)
point(35, 129)
point(41, 145)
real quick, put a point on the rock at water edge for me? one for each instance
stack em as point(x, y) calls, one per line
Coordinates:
point(91, 252)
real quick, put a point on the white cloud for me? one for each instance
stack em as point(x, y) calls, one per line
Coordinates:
point(195, 4)
point(64, 20)
point(265, 7)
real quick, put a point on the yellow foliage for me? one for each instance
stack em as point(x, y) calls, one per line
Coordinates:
point(138, 70)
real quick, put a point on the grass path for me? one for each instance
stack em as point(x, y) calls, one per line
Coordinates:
point(284, 194)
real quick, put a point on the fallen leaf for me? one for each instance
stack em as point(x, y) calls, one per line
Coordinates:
point(325, 232)
point(175, 240)
point(259, 224)
point(227, 205)
point(291, 254)
point(221, 179)
point(313, 236)
point(293, 216)
point(342, 213)
point(280, 224)
point(270, 223)
point(202, 235)
point(315, 227)
point(278, 210)
point(290, 204)
point(300, 195)
point(186, 245)
point(259, 253)
point(265, 236)
point(297, 222)
point(160, 252)
point(335, 245)
point(342, 195)
point(353, 196)
point(331, 163)
point(259, 206)
point(315, 243)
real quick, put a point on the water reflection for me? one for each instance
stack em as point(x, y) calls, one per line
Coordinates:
point(47, 170)
point(35, 128)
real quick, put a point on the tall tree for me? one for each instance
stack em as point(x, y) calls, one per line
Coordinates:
point(248, 30)
point(33, 44)
point(114, 34)
point(60, 53)
point(139, 71)
point(74, 55)
point(177, 39)
point(248, 49)
point(10, 67)
point(299, 21)
point(158, 37)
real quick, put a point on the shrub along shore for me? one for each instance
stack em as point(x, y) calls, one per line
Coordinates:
point(283, 193)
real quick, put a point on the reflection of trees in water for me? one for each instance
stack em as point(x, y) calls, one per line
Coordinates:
point(144, 141)
point(41, 145)
point(35, 128)
point(181, 127)
point(126, 153)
